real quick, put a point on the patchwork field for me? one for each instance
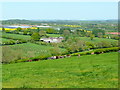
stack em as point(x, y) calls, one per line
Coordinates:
point(91, 71)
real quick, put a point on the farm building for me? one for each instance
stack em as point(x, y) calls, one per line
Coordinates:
point(52, 39)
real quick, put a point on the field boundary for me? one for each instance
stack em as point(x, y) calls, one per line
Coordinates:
point(96, 51)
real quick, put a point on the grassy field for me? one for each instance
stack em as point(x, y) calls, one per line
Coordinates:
point(28, 50)
point(96, 39)
point(54, 35)
point(27, 47)
point(16, 36)
point(4, 40)
point(91, 71)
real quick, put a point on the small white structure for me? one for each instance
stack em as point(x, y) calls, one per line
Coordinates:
point(52, 39)
point(44, 26)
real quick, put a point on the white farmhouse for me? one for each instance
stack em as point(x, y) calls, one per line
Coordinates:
point(52, 39)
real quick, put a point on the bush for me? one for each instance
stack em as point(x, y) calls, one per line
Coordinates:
point(113, 49)
point(97, 51)
point(82, 53)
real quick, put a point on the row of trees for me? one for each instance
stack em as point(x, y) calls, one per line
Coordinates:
point(76, 45)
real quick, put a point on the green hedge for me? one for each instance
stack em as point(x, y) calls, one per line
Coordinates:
point(97, 51)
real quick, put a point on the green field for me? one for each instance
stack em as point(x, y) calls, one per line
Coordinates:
point(27, 50)
point(96, 39)
point(27, 47)
point(91, 71)
point(54, 35)
point(16, 36)
point(4, 40)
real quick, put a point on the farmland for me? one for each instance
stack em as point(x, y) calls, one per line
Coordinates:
point(91, 71)
point(28, 50)
point(54, 35)
point(4, 40)
point(84, 57)
point(97, 39)
point(15, 36)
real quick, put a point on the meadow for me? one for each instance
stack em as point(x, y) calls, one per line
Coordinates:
point(27, 50)
point(90, 71)
point(96, 39)
point(80, 60)
point(4, 40)
point(16, 36)
point(53, 35)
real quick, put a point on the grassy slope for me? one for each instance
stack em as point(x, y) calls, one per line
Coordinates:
point(17, 36)
point(95, 39)
point(91, 71)
point(54, 35)
point(5, 40)
point(31, 49)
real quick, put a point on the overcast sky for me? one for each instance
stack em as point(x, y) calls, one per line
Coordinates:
point(60, 10)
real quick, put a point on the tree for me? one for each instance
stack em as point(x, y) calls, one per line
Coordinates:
point(82, 32)
point(100, 35)
point(30, 33)
point(55, 51)
point(88, 34)
point(38, 29)
point(35, 36)
point(25, 32)
point(92, 36)
point(3, 29)
point(66, 34)
point(62, 30)
point(9, 54)
point(42, 33)
point(19, 29)
point(96, 32)
point(76, 33)
point(51, 31)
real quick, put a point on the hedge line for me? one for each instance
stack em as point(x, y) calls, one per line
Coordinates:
point(11, 42)
point(97, 51)
point(30, 59)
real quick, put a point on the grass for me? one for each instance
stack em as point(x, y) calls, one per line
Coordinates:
point(4, 40)
point(54, 35)
point(16, 36)
point(96, 39)
point(91, 71)
point(32, 50)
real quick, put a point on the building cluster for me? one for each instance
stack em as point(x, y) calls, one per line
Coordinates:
point(52, 39)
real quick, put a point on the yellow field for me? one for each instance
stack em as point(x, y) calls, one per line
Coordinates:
point(8, 29)
point(15, 28)
point(72, 25)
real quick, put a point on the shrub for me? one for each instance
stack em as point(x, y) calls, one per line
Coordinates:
point(82, 53)
point(9, 54)
point(97, 51)
point(107, 50)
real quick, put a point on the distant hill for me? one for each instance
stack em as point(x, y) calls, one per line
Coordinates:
point(34, 22)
